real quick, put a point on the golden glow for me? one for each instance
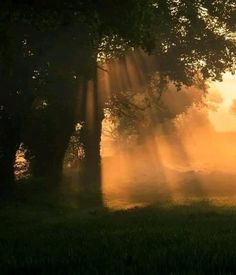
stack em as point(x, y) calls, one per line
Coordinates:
point(190, 158)
point(224, 119)
point(90, 105)
point(191, 163)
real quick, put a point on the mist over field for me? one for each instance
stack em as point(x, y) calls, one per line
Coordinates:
point(118, 137)
point(190, 158)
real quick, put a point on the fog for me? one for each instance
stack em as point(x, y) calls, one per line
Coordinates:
point(186, 154)
point(190, 158)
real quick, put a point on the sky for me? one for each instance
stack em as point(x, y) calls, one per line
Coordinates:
point(224, 118)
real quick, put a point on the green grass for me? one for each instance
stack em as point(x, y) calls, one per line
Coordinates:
point(44, 238)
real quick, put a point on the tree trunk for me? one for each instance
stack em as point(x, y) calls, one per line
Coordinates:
point(90, 137)
point(47, 166)
point(9, 143)
point(7, 172)
point(48, 158)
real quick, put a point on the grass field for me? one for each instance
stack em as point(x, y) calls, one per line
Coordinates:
point(40, 237)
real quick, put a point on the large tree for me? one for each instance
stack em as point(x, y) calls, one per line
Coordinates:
point(185, 37)
point(44, 54)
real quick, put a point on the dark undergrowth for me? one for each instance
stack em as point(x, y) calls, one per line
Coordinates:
point(40, 236)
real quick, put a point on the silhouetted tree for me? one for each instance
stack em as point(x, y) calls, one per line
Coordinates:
point(16, 70)
point(134, 115)
point(54, 111)
point(185, 37)
point(42, 58)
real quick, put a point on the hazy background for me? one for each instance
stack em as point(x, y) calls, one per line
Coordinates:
point(194, 162)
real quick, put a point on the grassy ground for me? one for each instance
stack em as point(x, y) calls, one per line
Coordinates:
point(40, 237)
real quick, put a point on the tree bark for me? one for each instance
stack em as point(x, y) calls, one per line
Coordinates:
point(69, 56)
point(48, 158)
point(9, 143)
point(90, 136)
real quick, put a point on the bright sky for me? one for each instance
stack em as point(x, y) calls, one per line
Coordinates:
point(224, 119)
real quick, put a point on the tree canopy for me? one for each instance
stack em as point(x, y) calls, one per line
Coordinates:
point(50, 48)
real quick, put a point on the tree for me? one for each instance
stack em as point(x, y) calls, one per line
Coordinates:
point(15, 98)
point(54, 112)
point(39, 64)
point(185, 37)
point(136, 115)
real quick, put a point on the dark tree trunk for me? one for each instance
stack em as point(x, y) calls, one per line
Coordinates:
point(9, 143)
point(49, 157)
point(47, 166)
point(15, 103)
point(7, 176)
point(90, 137)
point(49, 129)
point(48, 138)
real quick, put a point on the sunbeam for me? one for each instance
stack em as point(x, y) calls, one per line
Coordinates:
point(179, 158)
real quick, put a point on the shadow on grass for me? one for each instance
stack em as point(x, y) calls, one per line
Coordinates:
point(48, 238)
